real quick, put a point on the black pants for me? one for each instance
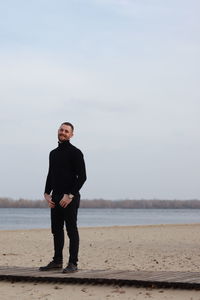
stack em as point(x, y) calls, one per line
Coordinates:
point(68, 215)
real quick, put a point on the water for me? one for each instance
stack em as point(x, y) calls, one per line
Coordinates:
point(28, 218)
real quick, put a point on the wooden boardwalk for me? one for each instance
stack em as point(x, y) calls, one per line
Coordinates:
point(156, 279)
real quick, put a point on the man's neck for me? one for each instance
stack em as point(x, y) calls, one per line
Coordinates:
point(61, 142)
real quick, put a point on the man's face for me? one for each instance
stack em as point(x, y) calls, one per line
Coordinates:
point(65, 132)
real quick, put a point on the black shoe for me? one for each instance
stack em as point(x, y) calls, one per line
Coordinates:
point(51, 266)
point(70, 268)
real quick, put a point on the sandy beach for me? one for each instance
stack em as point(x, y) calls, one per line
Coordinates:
point(159, 247)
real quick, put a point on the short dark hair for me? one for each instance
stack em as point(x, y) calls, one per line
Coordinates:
point(68, 124)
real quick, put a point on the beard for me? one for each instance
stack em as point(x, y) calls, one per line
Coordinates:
point(62, 138)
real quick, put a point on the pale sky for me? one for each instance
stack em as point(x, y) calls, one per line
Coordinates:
point(124, 72)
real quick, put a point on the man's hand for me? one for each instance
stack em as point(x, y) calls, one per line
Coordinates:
point(65, 201)
point(48, 198)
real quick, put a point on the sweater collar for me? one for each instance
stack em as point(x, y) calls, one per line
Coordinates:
point(63, 144)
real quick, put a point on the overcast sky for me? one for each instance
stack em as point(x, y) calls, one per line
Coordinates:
point(124, 72)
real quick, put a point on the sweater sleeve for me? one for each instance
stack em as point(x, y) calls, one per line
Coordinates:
point(48, 186)
point(80, 171)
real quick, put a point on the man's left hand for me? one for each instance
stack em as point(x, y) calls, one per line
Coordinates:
point(65, 201)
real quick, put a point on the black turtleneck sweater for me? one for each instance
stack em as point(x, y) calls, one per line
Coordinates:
point(67, 171)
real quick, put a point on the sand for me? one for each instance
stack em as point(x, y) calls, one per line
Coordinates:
point(159, 247)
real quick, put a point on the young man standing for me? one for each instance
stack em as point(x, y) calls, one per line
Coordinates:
point(65, 178)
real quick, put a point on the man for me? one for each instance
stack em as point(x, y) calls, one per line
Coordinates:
point(65, 178)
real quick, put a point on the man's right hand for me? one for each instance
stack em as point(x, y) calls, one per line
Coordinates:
point(48, 198)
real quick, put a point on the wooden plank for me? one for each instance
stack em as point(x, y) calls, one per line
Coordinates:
point(164, 279)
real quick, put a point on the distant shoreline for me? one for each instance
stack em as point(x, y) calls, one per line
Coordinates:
point(102, 203)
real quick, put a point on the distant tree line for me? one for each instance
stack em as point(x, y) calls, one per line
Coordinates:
point(22, 203)
point(101, 203)
point(142, 203)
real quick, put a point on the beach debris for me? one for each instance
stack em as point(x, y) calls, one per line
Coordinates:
point(57, 287)
point(10, 254)
point(156, 261)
